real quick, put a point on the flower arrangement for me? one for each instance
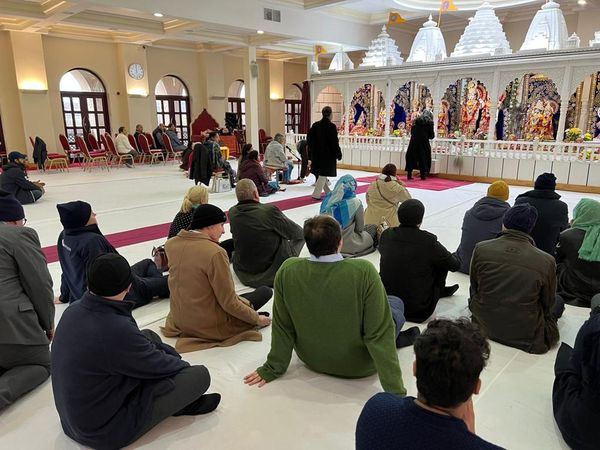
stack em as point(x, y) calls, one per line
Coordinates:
point(572, 134)
point(371, 132)
point(587, 137)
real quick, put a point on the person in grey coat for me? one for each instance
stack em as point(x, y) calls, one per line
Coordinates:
point(26, 305)
point(482, 222)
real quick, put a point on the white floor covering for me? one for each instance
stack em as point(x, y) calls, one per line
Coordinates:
point(303, 409)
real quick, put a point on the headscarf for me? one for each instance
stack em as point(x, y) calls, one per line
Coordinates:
point(341, 203)
point(587, 217)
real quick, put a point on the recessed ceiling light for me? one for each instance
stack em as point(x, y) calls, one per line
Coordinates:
point(581, 2)
point(157, 14)
point(260, 32)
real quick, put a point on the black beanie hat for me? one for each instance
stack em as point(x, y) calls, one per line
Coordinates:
point(10, 208)
point(207, 215)
point(545, 181)
point(521, 217)
point(411, 212)
point(109, 275)
point(74, 214)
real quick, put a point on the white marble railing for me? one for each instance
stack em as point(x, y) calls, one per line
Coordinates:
point(573, 163)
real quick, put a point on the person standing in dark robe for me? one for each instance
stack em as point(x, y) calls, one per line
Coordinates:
point(418, 155)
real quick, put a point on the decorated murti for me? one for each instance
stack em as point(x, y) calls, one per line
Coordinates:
point(540, 121)
point(383, 51)
point(429, 44)
point(483, 35)
point(548, 29)
point(583, 112)
point(410, 101)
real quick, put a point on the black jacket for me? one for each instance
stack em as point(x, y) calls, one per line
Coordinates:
point(201, 168)
point(78, 247)
point(577, 280)
point(40, 154)
point(106, 373)
point(412, 264)
point(553, 217)
point(576, 391)
point(14, 180)
point(418, 154)
point(324, 148)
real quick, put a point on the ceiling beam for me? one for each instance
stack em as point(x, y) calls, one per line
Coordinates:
point(314, 4)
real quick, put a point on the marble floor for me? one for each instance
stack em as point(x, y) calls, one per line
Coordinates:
point(303, 409)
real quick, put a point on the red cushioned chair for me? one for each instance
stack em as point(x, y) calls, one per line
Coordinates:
point(53, 160)
point(99, 158)
point(150, 140)
point(171, 153)
point(70, 152)
point(263, 140)
point(148, 153)
point(113, 155)
point(94, 146)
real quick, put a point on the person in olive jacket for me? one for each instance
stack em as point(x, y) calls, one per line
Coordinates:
point(513, 287)
point(553, 214)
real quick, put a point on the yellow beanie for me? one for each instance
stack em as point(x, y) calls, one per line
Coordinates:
point(499, 190)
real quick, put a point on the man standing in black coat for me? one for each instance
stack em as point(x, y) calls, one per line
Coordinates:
point(323, 149)
point(553, 214)
point(112, 382)
point(418, 155)
point(414, 265)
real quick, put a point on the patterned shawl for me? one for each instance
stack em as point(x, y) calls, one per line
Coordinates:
point(341, 203)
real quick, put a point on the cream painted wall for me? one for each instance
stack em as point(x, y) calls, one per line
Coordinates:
point(10, 106)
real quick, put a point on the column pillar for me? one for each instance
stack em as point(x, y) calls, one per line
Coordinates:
point(437, 99)
point(494, 105)
point(276, 98)
point(251, 81)
point(564, 103)
point(388, 105)
point(347, 103)
point(32, 81)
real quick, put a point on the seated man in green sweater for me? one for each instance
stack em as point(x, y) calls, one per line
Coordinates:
point(335, 313)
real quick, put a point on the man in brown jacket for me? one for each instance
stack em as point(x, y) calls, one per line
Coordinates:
point(513, 286)
point(205, 309)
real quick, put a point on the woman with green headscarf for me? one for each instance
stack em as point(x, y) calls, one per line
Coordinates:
point(578, 255)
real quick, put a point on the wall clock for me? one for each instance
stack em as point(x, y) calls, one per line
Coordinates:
point(136, 71)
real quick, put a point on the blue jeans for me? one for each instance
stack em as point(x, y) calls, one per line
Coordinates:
point(397, 307)
point(274, 184)
point(287, 175)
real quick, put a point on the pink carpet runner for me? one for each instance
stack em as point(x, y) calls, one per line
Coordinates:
point(153, 232)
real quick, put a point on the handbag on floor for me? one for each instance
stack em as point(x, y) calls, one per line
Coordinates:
point(160, 258)
point(223, 185)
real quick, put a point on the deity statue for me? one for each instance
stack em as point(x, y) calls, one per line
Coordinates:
point(548, 123)
point(443, 120)
point(380, 128)
point(540, 121)
point(470, 111)
point(359, 129)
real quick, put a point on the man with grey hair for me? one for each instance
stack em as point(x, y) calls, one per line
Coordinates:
point(275, 157)
point(263, 237)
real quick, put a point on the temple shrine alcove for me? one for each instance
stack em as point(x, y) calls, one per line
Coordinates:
point(410, 101)
point(528, 109)
point(465, 110)
point(330, 96)
point(583, 111)
point(367, 112)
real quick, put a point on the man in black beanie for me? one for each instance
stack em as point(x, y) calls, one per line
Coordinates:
point(553, 214)
point(112, 382)
point(513, 286)
point(26, 307)
point(414, 265)
point(81, 241)
point(205, 309)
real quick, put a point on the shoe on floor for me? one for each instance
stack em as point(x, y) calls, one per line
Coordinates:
point(449, 291)
point(205, 404)
point(282, 189)
point(129, 165)
point(408, 337)
point(316, 199)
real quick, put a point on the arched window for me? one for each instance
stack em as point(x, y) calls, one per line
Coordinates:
point(236, 99)
point(84, 104)
point(173, 105)
point(293, 108)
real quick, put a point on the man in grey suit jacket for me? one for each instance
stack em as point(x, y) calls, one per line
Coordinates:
point(26, 305)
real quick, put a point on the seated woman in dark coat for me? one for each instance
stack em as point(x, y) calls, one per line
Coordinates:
point(578, 255)
point(577, 386)
point(418, 155)
point(252, 170)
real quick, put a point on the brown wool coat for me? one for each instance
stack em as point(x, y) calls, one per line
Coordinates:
point(205, 310)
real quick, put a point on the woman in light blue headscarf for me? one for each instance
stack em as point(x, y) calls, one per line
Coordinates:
point(347, 209)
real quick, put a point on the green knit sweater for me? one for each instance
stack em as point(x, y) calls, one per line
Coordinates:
point(337, 318)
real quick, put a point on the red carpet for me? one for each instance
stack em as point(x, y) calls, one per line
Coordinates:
point(430, 184)
point(150, 233)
